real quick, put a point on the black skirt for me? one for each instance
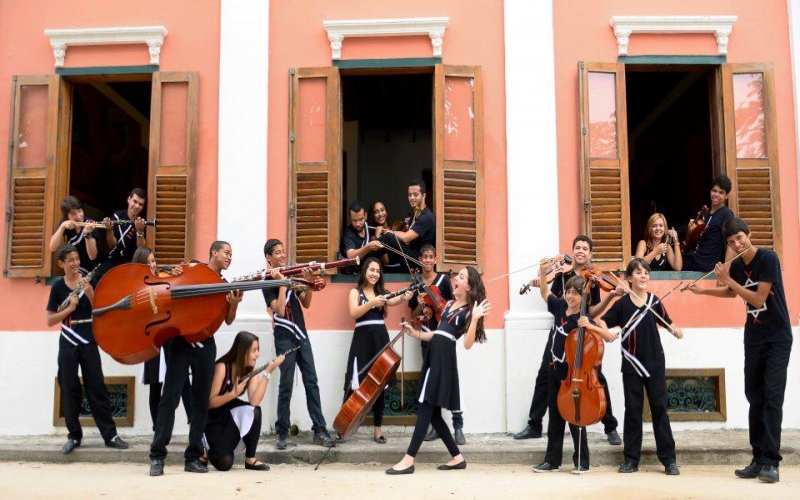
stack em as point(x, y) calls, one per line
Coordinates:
point(439, 375)
point(368, 340)
point(222, 433)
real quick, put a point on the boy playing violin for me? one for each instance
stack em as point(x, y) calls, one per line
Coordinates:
point(82, 238)
point(711, 246)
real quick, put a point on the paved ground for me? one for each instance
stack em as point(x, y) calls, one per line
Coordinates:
point(80, 481)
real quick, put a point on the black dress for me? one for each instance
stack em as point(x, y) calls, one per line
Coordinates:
point(369, 338)
point(659, 262)
point(228, 424)
point(440, 367)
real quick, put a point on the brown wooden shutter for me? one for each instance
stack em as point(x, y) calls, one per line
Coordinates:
point(31, 208)
point(173, 165)
point(751, 149)
point(604, 162)
point(315, 172)
point(458, 166)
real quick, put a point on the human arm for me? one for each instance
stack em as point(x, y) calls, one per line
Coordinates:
point(755, 298)
point(597, 309)
point(400, 298)
point(257, 386)
point(716, 291)
point(416, 333)
point(54, 318)
point(234, 298)
point(306, 294)
point(58, 236)
point(598, 327)
point(139, 226)
point(478, 312)
point(91, 242)
point(543, 290)
point(216, 399)
point(111, 240)
point(356, 310)
point(362, 252)
point(674, 256)
point(278, 305)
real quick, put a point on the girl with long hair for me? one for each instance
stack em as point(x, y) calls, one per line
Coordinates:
point(660, 247)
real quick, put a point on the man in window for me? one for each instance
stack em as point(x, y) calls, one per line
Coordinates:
point(124, 239)
point(422, 226)
point(355, 240)
point(711, 246)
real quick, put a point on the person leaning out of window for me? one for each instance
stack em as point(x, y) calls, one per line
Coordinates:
point(660, 247)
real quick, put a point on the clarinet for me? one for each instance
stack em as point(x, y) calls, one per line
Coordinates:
point(78, 289)
point(261, 368)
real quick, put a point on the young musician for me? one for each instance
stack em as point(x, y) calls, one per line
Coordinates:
point(200, 357)
point(422, 228)
point(232, 421)
point(582, 247)
point(756, 278)
point(567, 317)
point(82, 238)
point(356, 238)
point(378, 219)
point(427, 256)
point(711, 247)
point(367, 306)
point(462, 317)
point(660, 247)
point(124, 239)
point(152, 372)
point(289, 331)
point(77, 347)
point(643, 367)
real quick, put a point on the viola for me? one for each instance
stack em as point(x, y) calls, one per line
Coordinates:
point(695, 232)
point(560, 264)
point(581, 396)
point(596, 277)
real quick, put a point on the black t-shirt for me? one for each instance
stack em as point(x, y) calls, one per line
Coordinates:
point(641, 340)
point(78, 239)
point(126, 239)
point(292, 321)
point(442, 282)
point(711, 247)
point(562, 325)
point(72, 334)
point(425, 226)
point(351, 240)
point(560, 281)
point(770, 322)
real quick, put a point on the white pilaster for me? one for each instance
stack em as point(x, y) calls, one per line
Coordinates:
point(794, 40)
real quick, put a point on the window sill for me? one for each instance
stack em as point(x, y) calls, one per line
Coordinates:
point(387, 278)
point(679, 275)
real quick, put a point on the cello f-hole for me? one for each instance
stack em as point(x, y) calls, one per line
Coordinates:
point(158, 322)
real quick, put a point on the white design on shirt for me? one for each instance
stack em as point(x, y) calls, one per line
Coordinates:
point(750, 308)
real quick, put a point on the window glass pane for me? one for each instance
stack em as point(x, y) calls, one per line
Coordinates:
point(312, 120)
point(459, 118)
point(32, 139)
point(174, 120)
point(748, 102)
point(602, 115)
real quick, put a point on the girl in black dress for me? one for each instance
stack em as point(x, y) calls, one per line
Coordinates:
point(232, 421)
point(368, 308)
point(439, 388)
point(660, 247)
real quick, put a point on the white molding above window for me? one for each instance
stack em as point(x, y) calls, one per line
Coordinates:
point(60, 39)
point(625, 26)
point(433, 27)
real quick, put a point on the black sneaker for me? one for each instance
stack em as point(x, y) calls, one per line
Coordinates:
point(628, 467)
point(769, 474)
point(117, 443)
point(195, 465)
point(613, 438)
point(749, 472)
point(528, 433)
point(672, 469)
point(156, 467)
point(322, 438)
point(70, 445)
point(545, 467)
point(459, 436)
point(280, 443)
point(579, 469)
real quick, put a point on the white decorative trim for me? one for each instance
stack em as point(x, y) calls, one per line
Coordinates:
point(60, 39)
point(625, 26)
point(432, 26)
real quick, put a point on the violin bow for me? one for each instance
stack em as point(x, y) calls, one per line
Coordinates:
point(712, 271)
point(648, 306)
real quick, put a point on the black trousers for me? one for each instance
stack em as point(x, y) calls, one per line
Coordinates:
point(427, 414)
point(765, 367)
point(539, 403)
point(656, 387)
point(555, 429)
point(457, 415)
point(180, 356)
point(304, 359)
point(155, 399)
point(87, 356)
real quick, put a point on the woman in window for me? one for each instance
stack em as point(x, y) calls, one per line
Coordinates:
point(379, 222)
point(660, 247)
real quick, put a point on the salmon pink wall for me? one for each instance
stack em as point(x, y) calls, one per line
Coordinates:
point(761, 34)
point(473, 37)
point(191, 45)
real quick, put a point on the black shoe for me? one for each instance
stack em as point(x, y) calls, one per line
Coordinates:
point(749, 472)
point(579, 470)
point(613, 438)
point(432, 436)
point(280, 443)
point(672, 469)
point(380, 440)
point(395, 472)
point(528, 433)
point(545, 467)
point(459, 466)
point(117, 443)
point(195, 465)
point(628, 467)
point(256, 466)
point(322, 438)
point(460, 439)
point(70, 445)
point(769, 474)
point(156, 467)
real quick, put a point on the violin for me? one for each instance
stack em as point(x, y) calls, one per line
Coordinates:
point(265, 274)
point(595, 277)
point(560, 264)
point(695, 232)
point(433, 303)
point(581, 396)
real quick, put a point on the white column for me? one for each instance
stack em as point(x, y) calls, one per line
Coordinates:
point(532, 190)
point(794, 40)
point(242, 184)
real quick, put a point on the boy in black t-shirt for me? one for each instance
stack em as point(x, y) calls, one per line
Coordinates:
point(81, 237)
point(77, 347)
point(124, 239)
point(421, 228)
point(711, 247)
point(567, 314)
point(643, 367)
point(757, 279)
point(356, 240)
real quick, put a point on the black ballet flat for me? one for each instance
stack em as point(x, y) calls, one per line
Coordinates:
point(459, 466)
point(261, 466)
point(394, 472)
point(380, 440)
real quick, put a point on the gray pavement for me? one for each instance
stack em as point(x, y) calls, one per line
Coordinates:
point(707, 447)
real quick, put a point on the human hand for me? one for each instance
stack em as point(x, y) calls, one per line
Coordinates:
point(482, 309)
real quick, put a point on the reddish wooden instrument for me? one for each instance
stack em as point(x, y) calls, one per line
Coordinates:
point(581, 396)
point(433, 301)
point(264, 274)
point(693, 235)
point(596, 277)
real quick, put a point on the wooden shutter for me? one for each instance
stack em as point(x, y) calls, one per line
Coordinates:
point(604, 162)
point(173, 165)
point(458, 166)
point(751, 149)
point(315, 172)
point(31, 206)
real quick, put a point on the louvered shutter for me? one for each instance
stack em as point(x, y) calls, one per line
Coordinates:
point(31, 206)
point(173, 165)
point(604, 162)
point(315, 178)
point(458, 174)
point(751, 149)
